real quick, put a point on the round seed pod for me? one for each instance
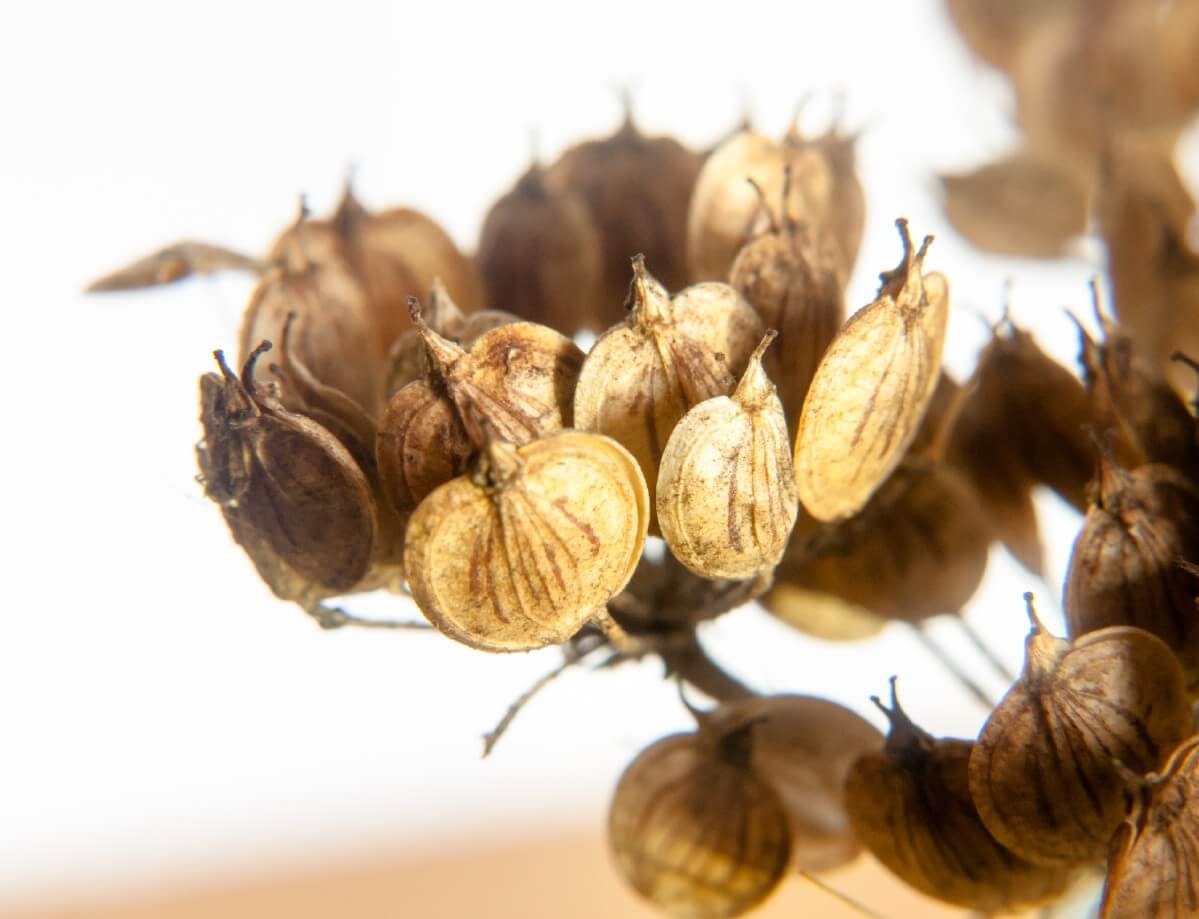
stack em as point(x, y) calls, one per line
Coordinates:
point(1124, 567)
point(871, 389)
point(526, 549)
point(796, 288)
point(696, 829)
point(292, 495)
point(804, 747)
point(540, 255)
point(637, 189)
point(726, 490)
point(910, 805)
point(818, 614)
point(642, 375)
point(1151, 865)
point(1043, 772)
point(517, 380)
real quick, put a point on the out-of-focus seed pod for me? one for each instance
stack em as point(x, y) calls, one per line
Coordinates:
point(910, 805)
point(408, 359)
point(516, 382)
point(816, 613)
point(696, 829)
point(1022, 205)
point(642, 375)
point(394, 254)
point(1043, 772)
point(795, 286)
point(804, 746)
point(637, 189)
point(846, 211)
point(996, 31)
point(726, 495)
point(174, 263)
point(292, 495)
point(1124, 567)
point(528, 547)
point(334, 335)
point(1151, 867)
point(540, 255)
point(871, 389)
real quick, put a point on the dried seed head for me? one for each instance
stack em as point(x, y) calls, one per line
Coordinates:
point(642, 375)
point(1043, 772)
point(637, 189)
point(1151, 866)
point(1124, 567)
point(911, 807)
point(871, 389)
point(829, 198)
point(726, 495)
point(540, 255)
point(292, 495)
point(516, 380)
point(804, 746)
point(532, 544)
point(995, 31)
point(1025, 205)
point(696, 829)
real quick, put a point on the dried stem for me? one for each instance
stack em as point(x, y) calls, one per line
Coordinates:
point(951, 666)
point(334, 617)
point(692, 664)
point(843, 897)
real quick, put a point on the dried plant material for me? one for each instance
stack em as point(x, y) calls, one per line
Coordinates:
point(1022, 205)
point(540, 255)
point(1151, 869)
point(996, 31)
point(726, 495)
point(819, 614)
point(696, 829)
point(1124, 567)
point(292, 495)
point(804, 747)
point(918, 549)
point(642, 375)
point(531, 545)
point(637, 189)
point(516, 382)
point(796, 287)
point(871, 389)
point(846, 213)
point(911, 807)
point(408, 359)
point(174, 263)
point(1043, 773)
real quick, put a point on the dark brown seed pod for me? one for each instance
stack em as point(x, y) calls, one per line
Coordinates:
point(696, 829)
point(1151, 867)
point(804, 746)
point(1124, 567)
point(911, 807)
point(516, 382)
point(1024, 205)
point(292, 495)
point(540, 255)
point(1043, 773)
point(637, 189)
point(797, 289)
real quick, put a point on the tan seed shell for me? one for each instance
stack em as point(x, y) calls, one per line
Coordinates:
point(871, 390)
point(523, 552)
point(726, 494)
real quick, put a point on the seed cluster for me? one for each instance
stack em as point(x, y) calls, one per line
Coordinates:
point(382, 430)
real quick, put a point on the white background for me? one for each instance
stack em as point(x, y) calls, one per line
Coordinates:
point(162, 716)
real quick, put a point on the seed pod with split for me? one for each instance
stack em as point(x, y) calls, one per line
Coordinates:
point(516, 382)
point(292, 495)
point(910, 805)
point(637, 189)
point(804, 747)
point(871, 389)
point(531, 545)
point(1124, 569)
point(796, 287)
point(1151, 866)
point(726, 490)
point(1043, 772)
point(696, 829)
point(643, 374)
point(540, 255)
